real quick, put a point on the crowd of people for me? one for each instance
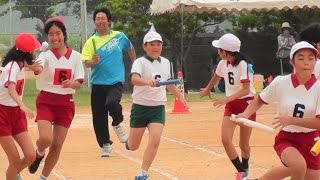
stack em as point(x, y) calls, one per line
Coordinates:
point(60, 73)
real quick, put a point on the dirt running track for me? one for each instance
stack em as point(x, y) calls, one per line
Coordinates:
point(190, 149)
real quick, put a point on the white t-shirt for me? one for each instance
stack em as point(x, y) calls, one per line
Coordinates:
point(57, 68)
point(150, 69)
point(294, 100)
point(13, 72)
point(234, 76)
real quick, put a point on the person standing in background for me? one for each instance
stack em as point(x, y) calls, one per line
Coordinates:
point(103, 53)
point(285, 43)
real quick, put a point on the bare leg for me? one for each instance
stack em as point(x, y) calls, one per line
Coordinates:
point(59, 136)
point(155, 131)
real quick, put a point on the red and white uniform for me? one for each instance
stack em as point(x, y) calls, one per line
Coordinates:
point(13, 72)
point(234, 76)
point(57, 68)
point(12, 119)
point(294, 100)
point(55, 103)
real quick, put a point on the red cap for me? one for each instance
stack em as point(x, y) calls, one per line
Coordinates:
point(56, 18)
point(26, 42)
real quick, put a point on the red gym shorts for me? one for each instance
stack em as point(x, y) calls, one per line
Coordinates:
point(303, 142)
point(238, 106)
point(56, 108)
point(13, 121)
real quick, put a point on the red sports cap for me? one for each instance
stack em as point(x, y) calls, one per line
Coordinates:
point(56, 18)
point(26, 42)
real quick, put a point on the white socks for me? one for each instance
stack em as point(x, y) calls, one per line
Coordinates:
point(42, 177)
point(142, 172)
point(41, 153)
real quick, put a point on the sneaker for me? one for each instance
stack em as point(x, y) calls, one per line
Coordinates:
point(106, 150)
point(35, 165)
point(18, 177)
point(241, 176)
point(121, 133)
point(143, 177)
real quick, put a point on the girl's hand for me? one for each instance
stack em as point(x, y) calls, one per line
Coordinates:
point(220, 102)
point(184, 102)
point(67, 83)
point(36, 67)
point(205, 92)
point(27, 111)
point(152, 83)
point(281, 122)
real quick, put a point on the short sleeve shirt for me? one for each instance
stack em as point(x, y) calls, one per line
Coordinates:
point(13, 72)
point(57, 68)
point(110, 48)
point(294, 99)
point(150, 69)
point(234, 76)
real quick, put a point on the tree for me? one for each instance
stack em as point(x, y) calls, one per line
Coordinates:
point(133, 17)
point(42, 10)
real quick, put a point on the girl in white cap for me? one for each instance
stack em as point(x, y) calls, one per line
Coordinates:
point(148, 108)
point(234, 68)
point(13, 112)
point(298, 97)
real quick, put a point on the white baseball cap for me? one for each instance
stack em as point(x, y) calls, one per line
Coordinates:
point(228, 42)
point(152, 36)
point(302, 45)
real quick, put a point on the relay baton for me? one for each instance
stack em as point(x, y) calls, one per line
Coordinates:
point(252, 124)
point(169, 82)
point(315, 148)
point(94, 46)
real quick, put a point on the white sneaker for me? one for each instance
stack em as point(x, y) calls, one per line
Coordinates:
point(121, 133)
point(106, 150)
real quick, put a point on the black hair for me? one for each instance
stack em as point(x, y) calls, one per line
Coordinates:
point(103, 10)
point(59, 25)
point(239, 56)
point(311, 34)
point(16, 55)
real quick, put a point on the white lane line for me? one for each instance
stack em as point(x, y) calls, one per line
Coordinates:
point(85, 124)
point(158, 170)
point(197, 147)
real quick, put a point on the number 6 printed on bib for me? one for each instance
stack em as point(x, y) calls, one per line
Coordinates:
point(61, 75)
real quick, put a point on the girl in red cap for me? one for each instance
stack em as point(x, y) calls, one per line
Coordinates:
point(60, 74)
point(13, 112)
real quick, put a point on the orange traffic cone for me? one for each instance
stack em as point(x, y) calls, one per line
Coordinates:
point(178, 107)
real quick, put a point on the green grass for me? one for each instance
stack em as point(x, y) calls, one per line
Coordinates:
point(82, 96)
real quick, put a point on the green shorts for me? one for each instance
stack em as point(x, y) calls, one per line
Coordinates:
point(141, 115)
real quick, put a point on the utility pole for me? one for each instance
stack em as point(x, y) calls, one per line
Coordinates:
point(84, 27)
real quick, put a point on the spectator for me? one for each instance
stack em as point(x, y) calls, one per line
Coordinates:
point(285, 42)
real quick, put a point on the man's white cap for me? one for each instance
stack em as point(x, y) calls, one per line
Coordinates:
point(302, 45)
point(228, 42)
point(152, 36)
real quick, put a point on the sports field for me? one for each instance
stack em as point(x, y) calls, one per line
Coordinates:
point(190, 149)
